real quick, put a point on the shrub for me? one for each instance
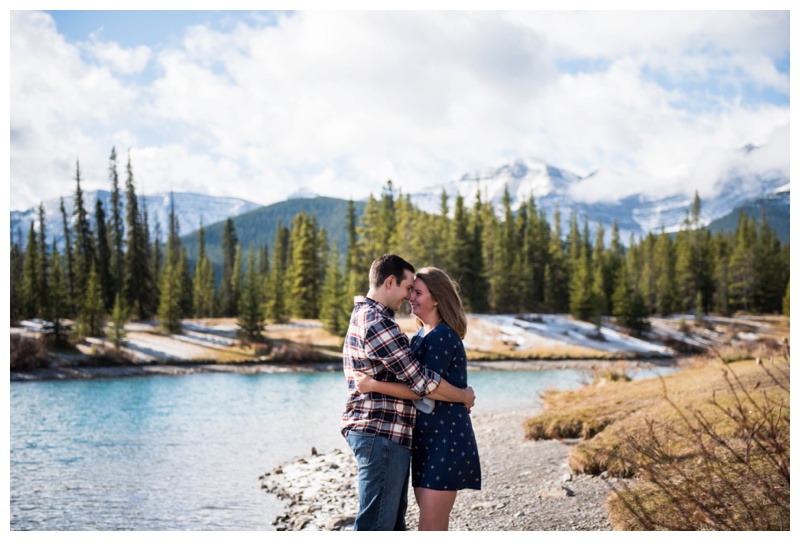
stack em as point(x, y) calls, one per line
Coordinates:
point(28, 353)
point(720, 467)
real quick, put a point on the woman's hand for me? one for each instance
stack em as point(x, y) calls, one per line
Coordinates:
point(364, 383)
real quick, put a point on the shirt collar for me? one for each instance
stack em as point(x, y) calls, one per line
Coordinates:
point(376, 304)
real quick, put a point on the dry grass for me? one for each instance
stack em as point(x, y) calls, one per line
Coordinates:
point(708, 446)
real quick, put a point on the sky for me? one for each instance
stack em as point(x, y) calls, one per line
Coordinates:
point(260, 105)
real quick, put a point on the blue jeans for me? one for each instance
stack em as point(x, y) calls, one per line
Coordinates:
point(383, 468)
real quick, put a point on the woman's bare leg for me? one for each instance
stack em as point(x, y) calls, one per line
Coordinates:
point(434, 508)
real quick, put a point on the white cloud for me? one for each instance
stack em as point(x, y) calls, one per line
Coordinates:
point(339, 102)
point(119, 59)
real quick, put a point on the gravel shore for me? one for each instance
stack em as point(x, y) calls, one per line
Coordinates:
point(526, 486)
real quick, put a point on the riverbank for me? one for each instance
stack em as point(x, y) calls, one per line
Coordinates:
point(77, 370)
point(527, 486)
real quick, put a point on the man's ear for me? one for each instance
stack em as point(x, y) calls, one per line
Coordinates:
point(389, 282)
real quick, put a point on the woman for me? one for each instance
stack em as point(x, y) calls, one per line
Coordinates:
point(445, 454)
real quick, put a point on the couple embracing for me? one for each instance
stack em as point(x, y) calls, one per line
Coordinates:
point(408, 404)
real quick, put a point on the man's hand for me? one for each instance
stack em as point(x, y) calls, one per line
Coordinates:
point(364, 383)
point(469, 400)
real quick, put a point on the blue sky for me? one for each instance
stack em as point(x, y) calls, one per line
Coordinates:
point(259, 105)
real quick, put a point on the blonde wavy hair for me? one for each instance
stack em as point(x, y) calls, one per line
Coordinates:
point(444, 291)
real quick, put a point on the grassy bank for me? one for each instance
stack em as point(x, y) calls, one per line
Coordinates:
point(706, 448)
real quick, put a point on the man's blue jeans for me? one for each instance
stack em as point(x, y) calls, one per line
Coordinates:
point(383, 468)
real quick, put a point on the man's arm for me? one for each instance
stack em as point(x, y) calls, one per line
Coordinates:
point(445, 392)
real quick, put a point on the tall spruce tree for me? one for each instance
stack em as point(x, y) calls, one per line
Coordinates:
point(478, 297)
point(15, 268)
point(68, 257)
point(137, 277)
point(302, 273)
point(44, 274)
point(503, 280)
point(119, 316)
point(355, 268)
point(228, 300)
point(169, 286)
point(461, 263)
point(31, 305)
point(92, 314)
point(276, 304)
point(116, 229)
point(334, 311)
point(557, 276)
point(743, 265)
point(103, 258)
point(665, 274)
point(83, 253)
point(251, 305)
point(59, 297)
point(203, 281)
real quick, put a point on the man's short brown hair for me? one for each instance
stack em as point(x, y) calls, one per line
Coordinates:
point(388, 265)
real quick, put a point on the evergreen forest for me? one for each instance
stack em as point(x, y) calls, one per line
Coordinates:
point(111, 269)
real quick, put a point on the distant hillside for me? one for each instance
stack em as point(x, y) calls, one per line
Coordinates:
point(258, 226)
point(776, 208)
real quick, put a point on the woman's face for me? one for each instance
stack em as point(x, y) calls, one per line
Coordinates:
point(422, 304)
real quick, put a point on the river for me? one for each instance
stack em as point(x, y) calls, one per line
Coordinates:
point(186, 452)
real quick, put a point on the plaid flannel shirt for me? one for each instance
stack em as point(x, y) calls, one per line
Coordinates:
point(377, 346)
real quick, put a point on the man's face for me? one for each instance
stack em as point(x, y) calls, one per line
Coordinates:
point(402, 291)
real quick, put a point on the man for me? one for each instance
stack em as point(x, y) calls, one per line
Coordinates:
point(378, 427)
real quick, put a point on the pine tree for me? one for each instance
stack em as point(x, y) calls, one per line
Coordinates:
point(203, 281)
point(742, 266)
point(503, 279)
point(116, 230)
point(355, 268)
point(581, 303)
point(59, 297)
point(137, 277)
point(665, 274)
point(90, 321)
point(722, 255)
point(557, 277)
point(251, 306)
point(368, 241)
point(302, 273)
point(461, 262)
point(169, 285)
point(15, 267)
point(629, 307)
point(477, 299)
point(387, 220)
point(276, 305)
point(230, 241)
point(84, 253)
point(236, 278)
point(68, 257)
point(43, 292)
point(31, 305)
point(103, 252)
point(335, 311)
point(600, 274)
point(119, 317)
point(770, 273)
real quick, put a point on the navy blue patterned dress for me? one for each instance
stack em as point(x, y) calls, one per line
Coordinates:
point(444, 454)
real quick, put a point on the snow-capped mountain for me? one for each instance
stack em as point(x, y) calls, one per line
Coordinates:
point(635, 214)
point(190, 208)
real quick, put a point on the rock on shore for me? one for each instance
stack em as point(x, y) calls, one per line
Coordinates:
point(526, 486)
